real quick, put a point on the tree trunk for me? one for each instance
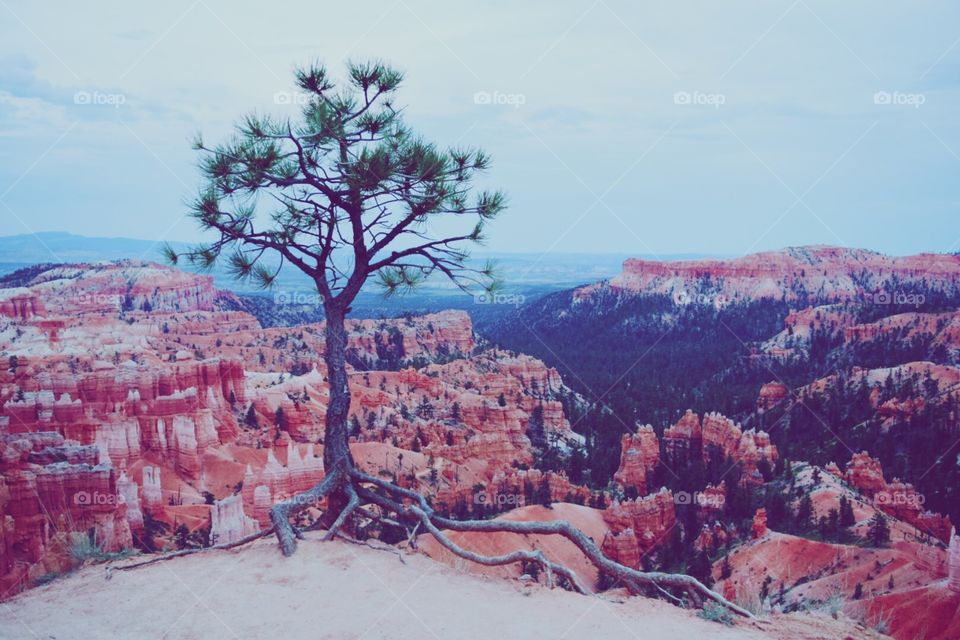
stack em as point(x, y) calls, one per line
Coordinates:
point(336, 438)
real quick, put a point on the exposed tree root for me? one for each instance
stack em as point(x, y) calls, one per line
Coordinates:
point(186, 552)
point(634, 579)
point(412, 508)
point(280, 513)
point(352, 504)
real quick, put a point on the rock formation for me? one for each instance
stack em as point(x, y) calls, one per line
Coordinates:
point(648, 521)
point(228, 522)
point(826, 274)
point(683, 442)
point(898, 499)
point(771, 394)
point(639, 456)
point(143, 387)
point(718, 436)
point(759, 527)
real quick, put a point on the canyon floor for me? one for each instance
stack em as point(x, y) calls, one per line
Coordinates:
point(338, 591)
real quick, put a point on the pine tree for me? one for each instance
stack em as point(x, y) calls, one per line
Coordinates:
point(280, 419)
point(878, 531)
point(847, 519)
point(725, 569)
point(543, 494)
point(804, 514)
point(701, 569)
point(535, 428)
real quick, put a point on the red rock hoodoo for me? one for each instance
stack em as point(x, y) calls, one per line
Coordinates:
point(639, 456)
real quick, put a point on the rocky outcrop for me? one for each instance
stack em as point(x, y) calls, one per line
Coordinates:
point(771, 394)
point(815, 273)
point(20, 304)
point(759, 526)
point(622, 547)
point(865, 474)
point(44, 506)
point(639, 456)
point(434, 336)
point(717, 436)
point(898, 499)
point(649, 520)
point(228, 522)
point(128, 285)
point(683, 442)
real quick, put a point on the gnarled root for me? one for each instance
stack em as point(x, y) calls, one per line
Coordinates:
point(281, 513)
point(421, 511)
point(187, 552)
point(412, 509)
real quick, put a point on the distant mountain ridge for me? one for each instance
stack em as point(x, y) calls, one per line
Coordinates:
point(60, 246)
point(815, 273)
point(550, 271)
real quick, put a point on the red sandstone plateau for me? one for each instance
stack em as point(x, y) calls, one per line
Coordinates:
point(827, 274)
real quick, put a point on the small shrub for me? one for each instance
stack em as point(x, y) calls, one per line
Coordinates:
point(834, 605)
point(83, 548)
point(716, 613)
point(46, 578)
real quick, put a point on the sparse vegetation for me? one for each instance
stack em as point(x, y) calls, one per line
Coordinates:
point(716, 613)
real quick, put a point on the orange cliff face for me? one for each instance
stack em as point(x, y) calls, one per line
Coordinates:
point(892, 582)
point(824, 273)
point(896, 498)
point(127, 397)
point(638, 527)
point(717, 435)
point(639, 456)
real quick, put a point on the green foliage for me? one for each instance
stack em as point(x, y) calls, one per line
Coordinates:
point(725, 569)
point(83, 547)
point(715, 612)
point(878, 531)
point(250, 418)
point(344, 192)
point(858, 591)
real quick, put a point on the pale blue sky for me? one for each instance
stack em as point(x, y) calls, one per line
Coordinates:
point(639, 127)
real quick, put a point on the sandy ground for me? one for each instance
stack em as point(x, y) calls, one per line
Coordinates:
point(343, 591)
